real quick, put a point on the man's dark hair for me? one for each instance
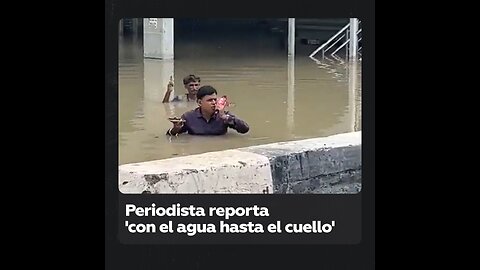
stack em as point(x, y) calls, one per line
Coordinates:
point(206, 90)
point(190, 78)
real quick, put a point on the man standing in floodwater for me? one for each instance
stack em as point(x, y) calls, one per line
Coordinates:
point(209, 118)
point(190, 82)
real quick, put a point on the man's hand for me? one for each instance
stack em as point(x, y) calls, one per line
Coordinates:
point(222, 103)
point(170, 85)
point(220, 107)
point(178, 123)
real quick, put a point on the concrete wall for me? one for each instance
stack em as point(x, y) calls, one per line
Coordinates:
point(158, 38)
point(320, 165)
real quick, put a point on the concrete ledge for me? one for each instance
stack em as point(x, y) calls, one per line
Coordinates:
point(320, 165)
point(229, 171)
point(318, 160)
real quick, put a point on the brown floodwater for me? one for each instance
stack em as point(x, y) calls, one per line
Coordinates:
point(281, 99)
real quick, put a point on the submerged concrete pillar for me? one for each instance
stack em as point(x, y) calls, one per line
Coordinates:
point(158, 38)
point(156, 76)
point(291, 95)
point(291, 37)
point(353, 39)
point(352, 94)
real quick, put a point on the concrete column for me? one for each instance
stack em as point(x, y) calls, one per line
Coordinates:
point(291, 37)
point(353, 38)
point(158, 38)
point(352, 93)
point(156, 77)
point(291, 76)
point(291, 95)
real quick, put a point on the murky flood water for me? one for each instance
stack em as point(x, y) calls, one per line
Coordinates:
point(280, 99)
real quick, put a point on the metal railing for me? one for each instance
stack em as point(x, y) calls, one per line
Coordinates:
point(342, 34)
point(346, 42)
